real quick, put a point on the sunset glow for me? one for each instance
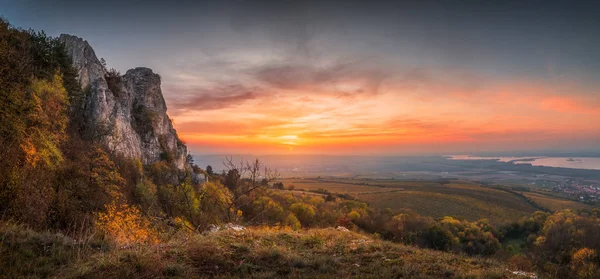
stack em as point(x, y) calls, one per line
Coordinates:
point(397, 117)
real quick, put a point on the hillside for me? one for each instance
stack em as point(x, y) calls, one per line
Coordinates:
point(253, 252)
point(457, 198)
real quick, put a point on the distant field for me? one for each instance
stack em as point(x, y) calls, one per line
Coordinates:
point(463, 199)
point(439, 205)
point(333, 187)
point(554, 203)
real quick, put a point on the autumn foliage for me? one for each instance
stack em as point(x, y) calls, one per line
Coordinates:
point(125, 225)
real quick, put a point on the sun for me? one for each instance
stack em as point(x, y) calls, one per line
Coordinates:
point(289, 139)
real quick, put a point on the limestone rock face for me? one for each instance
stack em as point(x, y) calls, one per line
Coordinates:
point(125, 112)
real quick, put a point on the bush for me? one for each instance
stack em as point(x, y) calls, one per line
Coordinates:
point(125, 225)
point(114, 81)
point(304, 212)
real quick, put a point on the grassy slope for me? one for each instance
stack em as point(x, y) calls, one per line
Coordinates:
point(555, 203)
point(333, 187)
point(463, 199)
point(430, 198)
point(258, 253)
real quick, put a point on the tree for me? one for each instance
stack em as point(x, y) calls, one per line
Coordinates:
point(304, 212)
point(104, 179)
point(209, 170)
point(584, 263)
point(292, 222)
point(27, 193)
point(37, 82)
point(215, 203)
point(244, 178)
point(266, 210)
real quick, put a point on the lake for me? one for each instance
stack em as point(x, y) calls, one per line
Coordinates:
point(592, 163)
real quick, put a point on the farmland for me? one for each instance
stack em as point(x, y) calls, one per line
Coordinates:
point(334, 186)
point(438, 198)
point(554, 203)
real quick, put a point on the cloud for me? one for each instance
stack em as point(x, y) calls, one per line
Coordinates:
point(305, 87)
point(346, 79)
point(570, 105)
point(557, 97)
point(291, 25)
point(213, 98)
point(248, 126)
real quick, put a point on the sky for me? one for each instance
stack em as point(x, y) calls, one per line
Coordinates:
point(354, 77)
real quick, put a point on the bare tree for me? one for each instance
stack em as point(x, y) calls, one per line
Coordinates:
point(245, 177)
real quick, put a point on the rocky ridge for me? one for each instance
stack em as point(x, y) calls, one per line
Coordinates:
point(126, 112)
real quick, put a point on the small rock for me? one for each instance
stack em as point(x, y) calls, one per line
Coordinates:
point(525, 273)
point(343, 229)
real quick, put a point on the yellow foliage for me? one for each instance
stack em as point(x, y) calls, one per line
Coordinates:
point(292, 221)
point(584, 254)
point(277, 228)
point(450, 220)
point(540, 240)
point(183, 224)
point(354, 215)
point(583, 263)
point(125, 225)
point(48, 122)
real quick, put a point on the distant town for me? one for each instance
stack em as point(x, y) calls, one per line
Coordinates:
point(584, 191)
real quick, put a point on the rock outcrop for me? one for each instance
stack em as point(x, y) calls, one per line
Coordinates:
point(125, 112)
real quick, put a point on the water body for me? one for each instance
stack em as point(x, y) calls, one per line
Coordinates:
point(590, 163)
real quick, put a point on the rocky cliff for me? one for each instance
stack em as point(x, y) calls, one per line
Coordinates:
point(125, 112)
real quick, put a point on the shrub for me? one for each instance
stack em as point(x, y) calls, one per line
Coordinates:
point(292, 222)
point(125, 225)
point(304, 212)
point(114, 81)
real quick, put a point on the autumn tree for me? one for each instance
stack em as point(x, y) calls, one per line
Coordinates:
point(36, 83)
point(28, 191)
point(242, 179)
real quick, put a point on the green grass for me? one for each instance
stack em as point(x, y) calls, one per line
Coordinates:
point(255, 252)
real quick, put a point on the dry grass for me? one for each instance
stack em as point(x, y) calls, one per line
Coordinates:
point(333, 187)
point(438, 205)
point(554, 203)
point(462, 199)
point(26, 253)
point(255, 252)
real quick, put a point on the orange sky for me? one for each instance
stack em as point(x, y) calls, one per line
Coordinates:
point(396, 118)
